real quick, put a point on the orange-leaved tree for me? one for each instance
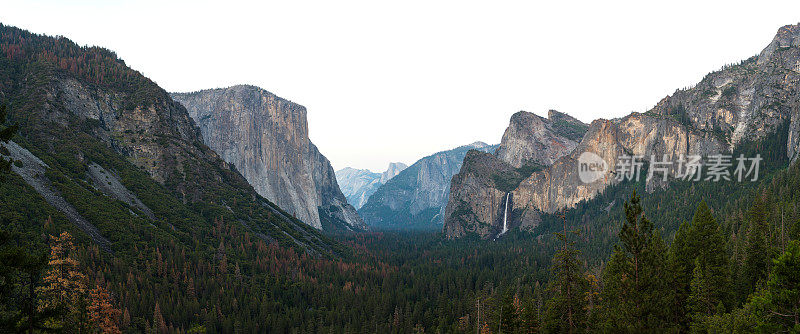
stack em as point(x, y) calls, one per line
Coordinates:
point(64, 286)
point(102, 313)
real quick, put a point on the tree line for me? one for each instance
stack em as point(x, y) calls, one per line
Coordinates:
point(703, 282)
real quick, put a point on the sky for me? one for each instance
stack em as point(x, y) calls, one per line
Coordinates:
point(387, 81)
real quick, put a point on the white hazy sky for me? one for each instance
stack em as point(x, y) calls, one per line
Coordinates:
point(398, 80)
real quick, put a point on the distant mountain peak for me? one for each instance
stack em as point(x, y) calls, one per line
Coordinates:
point(476, 145)
point(416, 197)
point(392, 171)
point(358, 185)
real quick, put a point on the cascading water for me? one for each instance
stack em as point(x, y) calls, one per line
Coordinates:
point(505, 217)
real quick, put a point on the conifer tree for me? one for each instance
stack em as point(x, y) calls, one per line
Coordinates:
point(680, 264)
point(709, 285)
point(529, 317)
point(634, 293)
point(20, 272)
point(566, 310)
point(757, 256)
point(126, 319)
point(509, 319)
point(772, 309)
point(779, 305)
point(102, 313)
point(159, 324)
point(64, 286)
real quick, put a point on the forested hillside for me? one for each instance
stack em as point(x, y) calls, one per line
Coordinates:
point(115, 217)
point(194, 223)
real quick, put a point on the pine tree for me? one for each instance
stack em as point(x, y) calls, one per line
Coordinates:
point(680, 263)
point(757, 256)
point(64, 286)
point(709, 285)
point(772, 309)
point(508, 314)
point(635, 281)
point(159, 324)
point(102, 313)
point(20, 273)
point(565, 312)
point(593, 302)
point(529, 317)
point(126, 319)
point(702, 296)
point(779, 305)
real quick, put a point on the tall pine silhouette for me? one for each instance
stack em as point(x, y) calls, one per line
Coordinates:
point(710, 281)
point(635, 286)
point(566, 311)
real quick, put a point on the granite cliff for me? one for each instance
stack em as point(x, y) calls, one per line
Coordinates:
point(266, 138)
point(113, 154)
point(739, 103)
point(531, 139)
point(479, 191)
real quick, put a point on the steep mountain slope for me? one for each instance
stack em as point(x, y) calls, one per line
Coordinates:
point(266, 138)
point(105, 154)
point(415, 198)
point(743, 102)
point(480, 190)
point(83, 112)
point(531, 139)
point(359, 184)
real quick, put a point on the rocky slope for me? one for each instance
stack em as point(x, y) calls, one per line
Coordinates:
point(479, 191)
point(119, 154)
point(531, 139)
point(737, 104)
point(416, 197)
point(266, 138)
point(476, 196)
point(359, 184)
point(392, 171)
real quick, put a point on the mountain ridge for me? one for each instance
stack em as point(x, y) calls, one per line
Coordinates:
point(82, 110)
point(415, 198)
point(266, 138)
point(359, 184)
point(746, 100)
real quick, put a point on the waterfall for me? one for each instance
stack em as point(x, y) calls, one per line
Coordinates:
point(505, 217)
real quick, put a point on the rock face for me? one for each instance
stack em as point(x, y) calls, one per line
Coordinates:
point(737, 104)
point(559, 185)
point(115, 137)
point(530, 139)
point(266, 138)
point(476, 203)
point(394, 169)
point(131, 132)
point(359, 184)
point(416, 197)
